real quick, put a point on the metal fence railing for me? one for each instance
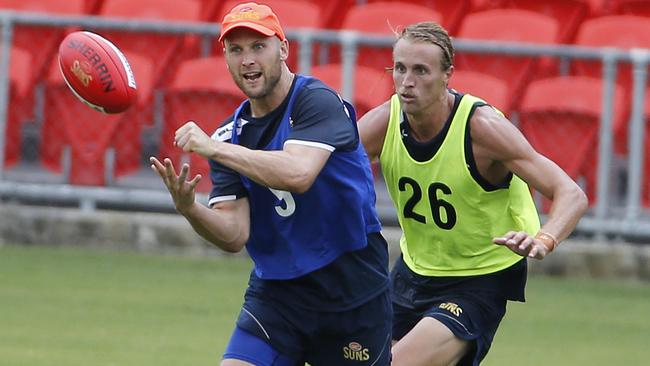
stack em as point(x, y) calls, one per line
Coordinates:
point(610, 215)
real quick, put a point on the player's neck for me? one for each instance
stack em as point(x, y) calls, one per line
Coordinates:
point(262, 106)
point(426, 124)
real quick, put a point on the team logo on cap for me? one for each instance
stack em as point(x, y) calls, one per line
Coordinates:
point(246, 13)
point(355, 352)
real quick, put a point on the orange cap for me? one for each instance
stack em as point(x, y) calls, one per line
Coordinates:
point(259, 18)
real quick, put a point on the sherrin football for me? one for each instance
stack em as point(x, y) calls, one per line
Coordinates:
point(97, 72)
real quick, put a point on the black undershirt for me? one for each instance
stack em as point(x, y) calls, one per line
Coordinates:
point(424, 151)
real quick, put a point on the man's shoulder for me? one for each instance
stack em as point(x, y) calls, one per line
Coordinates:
point(314, 83)
point(317, 97)
point(315, 88)
point(485, 119)
point(491, 130)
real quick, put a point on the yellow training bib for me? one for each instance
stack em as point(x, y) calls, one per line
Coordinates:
point(448, 219)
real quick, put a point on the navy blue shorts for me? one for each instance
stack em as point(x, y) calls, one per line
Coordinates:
point(287, 336)
point(471, 307)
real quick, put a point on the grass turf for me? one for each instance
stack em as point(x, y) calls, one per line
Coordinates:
point(72, 306)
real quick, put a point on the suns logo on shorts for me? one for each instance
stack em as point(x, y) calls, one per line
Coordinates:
point(452, 308)
point(355, 352)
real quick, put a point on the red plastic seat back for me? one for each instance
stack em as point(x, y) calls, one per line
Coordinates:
point(384, 18)
point(620, 31)
point(599, 8)
point(44, 6)
point(522, 26)
point(204, 92)
point(41, 42)
point(19, 73)
point(451, 12)
point(481, 5)
point(493, 90)
point(568, 13)
point(371, 87)
point(162, 49)
point(632, 7)
point(20, 70)
point(329, 12)
point(561, 119)
point(46, 38)
point(88, 133)
point(93, 6)
point(209, 9)
point(646, 171)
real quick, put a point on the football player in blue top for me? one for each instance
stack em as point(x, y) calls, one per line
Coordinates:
point(291, 183)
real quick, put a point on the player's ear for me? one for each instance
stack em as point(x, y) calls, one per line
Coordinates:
point(284, 50)
point(447, 74)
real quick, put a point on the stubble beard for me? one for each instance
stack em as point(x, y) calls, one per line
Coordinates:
point(271, 80)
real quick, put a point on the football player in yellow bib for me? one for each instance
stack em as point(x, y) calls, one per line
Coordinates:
point(458, 173)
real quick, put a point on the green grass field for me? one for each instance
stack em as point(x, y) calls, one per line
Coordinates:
point(70, 306)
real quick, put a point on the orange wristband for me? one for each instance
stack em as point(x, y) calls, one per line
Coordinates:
point(549, 240)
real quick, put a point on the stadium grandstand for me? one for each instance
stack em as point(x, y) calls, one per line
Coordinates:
point(572, 74)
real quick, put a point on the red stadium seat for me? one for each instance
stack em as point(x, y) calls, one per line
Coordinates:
point(561, 118)
point(646, 170)
point(523, 26)
point(451, 12)
point(19, 72)
point(202, 91)
point(47, 38)
point(632, 7)
point(595, 7)
point(600, 7)
point(489, 88)
point(162, 49)
point(332, 11)
point(621, 31)
point(210, 9)
point(93, 6)
point(371, 87)
point(384, 18)
point(292, 14)
point(481, 5)
point(89, 134)
point(568, 13)
point(193, 44)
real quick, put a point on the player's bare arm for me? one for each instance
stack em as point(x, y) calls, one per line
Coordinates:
point(372, 129)
point(225, 225)
point(292, 169)
point(499, 147)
